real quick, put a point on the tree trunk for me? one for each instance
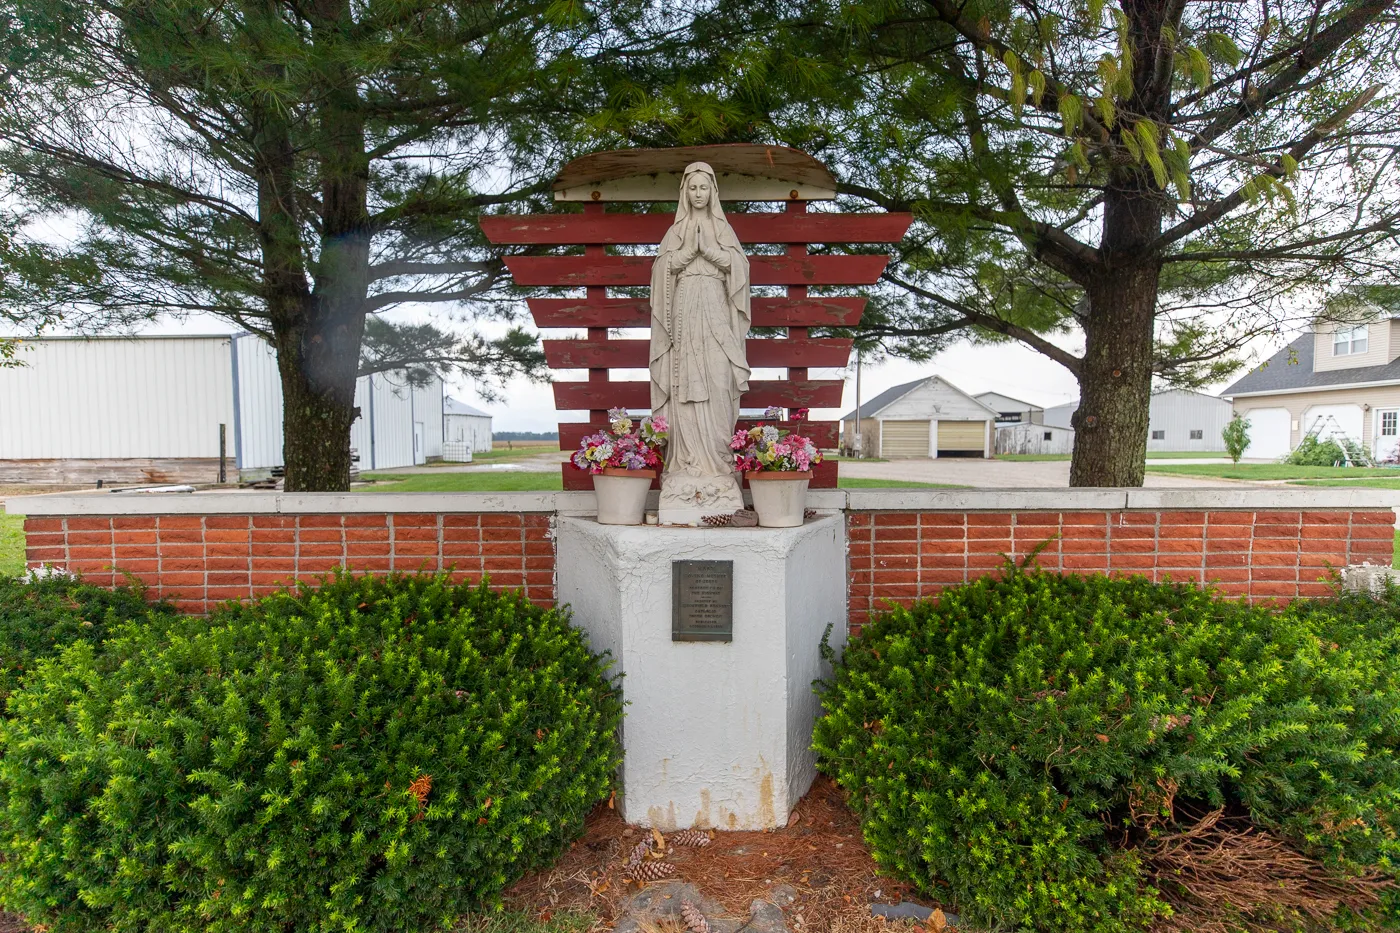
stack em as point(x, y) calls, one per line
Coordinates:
point(1115, 380)
point(318, 406)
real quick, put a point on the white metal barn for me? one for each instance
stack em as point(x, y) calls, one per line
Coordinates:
point(1177, 419)
point(464, 427)
point(149, 409)
point(1034, 439)
point(925, 418)
point(1011, 410)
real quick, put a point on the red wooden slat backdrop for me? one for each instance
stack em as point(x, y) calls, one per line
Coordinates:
point(595, 271)
point(789, 393)
point(618, 271)
point(636, 312)
point(633, 354)
point(648, 229)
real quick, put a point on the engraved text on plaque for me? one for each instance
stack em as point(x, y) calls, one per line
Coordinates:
point(702, 600)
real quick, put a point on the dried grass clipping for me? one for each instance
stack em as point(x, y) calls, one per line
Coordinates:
point(1221, 875)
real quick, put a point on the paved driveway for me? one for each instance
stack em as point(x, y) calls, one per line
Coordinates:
point(1000, 474)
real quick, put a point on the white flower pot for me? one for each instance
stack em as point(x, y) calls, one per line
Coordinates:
point(780, 499)
point(622, 495)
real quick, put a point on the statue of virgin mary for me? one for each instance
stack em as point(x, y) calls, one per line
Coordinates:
point(699, 320)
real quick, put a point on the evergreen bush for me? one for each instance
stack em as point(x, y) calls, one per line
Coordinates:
point(367, 755)
point(1044, 749)
point(41, 616)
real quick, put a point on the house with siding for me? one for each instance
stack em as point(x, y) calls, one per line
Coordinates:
point(1337, 380)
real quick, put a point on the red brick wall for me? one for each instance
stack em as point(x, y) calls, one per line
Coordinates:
point(896, 557)
point(198, 561)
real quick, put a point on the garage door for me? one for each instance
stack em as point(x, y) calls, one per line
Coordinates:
point(1339, 421)
point(903, 439)
point(1269, 430)
point(962, 435)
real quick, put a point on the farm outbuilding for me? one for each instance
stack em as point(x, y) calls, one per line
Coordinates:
point(1011, 410)
point(926, 418)
point(1034, 439)
point(1177, 419)
point(465, 430)
point(151, 409)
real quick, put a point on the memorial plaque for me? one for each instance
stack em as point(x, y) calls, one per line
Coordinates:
point(702, 600)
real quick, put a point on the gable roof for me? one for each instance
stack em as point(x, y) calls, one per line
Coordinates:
point(450, 406)
point(981, 397)
point(1291, 370)
point(885, 399)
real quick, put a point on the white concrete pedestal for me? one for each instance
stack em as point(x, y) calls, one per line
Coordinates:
point(717, 734)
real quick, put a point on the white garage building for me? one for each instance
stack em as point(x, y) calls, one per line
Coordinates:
point(926, 418)
point(1339, 381)
point(465, 430)
point(151, 409)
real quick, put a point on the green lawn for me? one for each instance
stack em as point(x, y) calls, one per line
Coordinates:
point(11, 544)
point(501, 453)
point(483, 481)
point(1151, 455)
point(1364, 482)
point(1258, 471)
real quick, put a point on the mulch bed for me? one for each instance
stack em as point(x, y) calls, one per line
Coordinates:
point(820, 855)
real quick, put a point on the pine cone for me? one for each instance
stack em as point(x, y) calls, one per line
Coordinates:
point(695, 838)
point(639, 852)
point(717, 521)
point(695, 921)
point(653, 871)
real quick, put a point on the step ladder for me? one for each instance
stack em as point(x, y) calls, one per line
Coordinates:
point(1329, 424)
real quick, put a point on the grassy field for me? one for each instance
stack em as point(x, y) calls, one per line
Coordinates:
point(1151, 455)
point(1267, 471)
point(11, 545)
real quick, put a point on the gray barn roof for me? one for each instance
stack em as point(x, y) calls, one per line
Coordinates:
point(450, 406)
point(1291, 369)
point(888, 397)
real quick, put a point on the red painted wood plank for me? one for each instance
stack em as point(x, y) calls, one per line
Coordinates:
point(633, 354)
point(825, 475)
point(636, 312)
point(648, 229)
point(576, 271)
point(588, 396)
point(822, 433)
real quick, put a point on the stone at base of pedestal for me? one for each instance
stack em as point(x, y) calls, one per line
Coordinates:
point(685, 499)
point(716, 734)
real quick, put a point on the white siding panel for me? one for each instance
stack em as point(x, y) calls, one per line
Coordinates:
point(427, 408)
point(259, 404)
point(469, 429)
point(1178, 412)
point(359, 429)
point(393, 421)
point(117, 398)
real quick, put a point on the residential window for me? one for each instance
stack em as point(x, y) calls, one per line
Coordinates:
point(1197, 434)
point(1049, 436)
point(1348, 341)
point(1159, 435)
point(1390, 423)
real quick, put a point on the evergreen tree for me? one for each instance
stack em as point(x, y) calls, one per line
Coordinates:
point(1170, 178)
point(293, 167)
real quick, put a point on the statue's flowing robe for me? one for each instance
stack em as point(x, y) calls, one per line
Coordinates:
point(700, 318)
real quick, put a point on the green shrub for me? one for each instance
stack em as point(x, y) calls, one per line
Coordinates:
point(1028, 744)
point(1236, 437)
point(1330, 452)
point(369, 755)
point(39, 618)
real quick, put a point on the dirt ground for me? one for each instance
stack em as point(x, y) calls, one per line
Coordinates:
point(820, 856)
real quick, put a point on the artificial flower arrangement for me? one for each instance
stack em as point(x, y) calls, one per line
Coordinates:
point(625, 445)
point(766, 448)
